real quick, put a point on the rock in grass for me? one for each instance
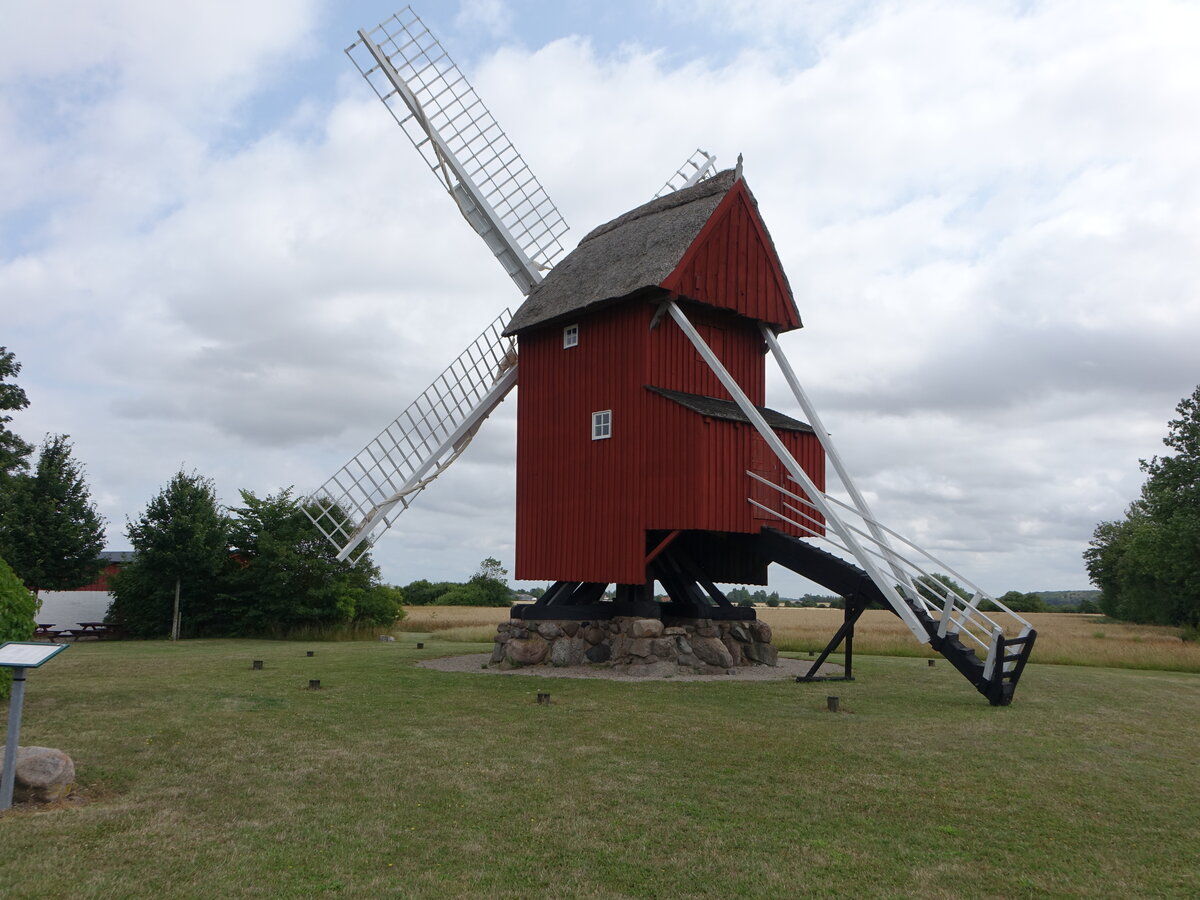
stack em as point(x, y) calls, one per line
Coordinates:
point(42, 775)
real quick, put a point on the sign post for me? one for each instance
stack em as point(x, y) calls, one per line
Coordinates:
point(19, 656)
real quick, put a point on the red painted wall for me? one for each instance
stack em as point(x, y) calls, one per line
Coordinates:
point(578, 504)
point(583, 505)
point(732, 264)
point(674, 363)
point(101, 582)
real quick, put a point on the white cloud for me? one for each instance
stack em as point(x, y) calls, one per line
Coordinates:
point(988, 213)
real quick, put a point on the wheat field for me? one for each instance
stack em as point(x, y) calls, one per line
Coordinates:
point(1063, 638)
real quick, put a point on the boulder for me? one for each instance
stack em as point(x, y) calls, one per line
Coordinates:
point(734, 647)
point(761, 631)
point(549, 630)
point(764, 654)
point(527, 651)
point(647, 628)
point(663, 647)
point(593, 635)
point(684, 645)
point(568, 651)
point(570, 629)
point(598, 653)
point(712, 651)
point(639, 647)
point(42, 775)
point(737, 632)
point(497, 652)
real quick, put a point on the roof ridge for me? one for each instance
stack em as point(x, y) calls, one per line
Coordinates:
point(718, 183)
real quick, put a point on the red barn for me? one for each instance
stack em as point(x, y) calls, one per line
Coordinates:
point(631, 457)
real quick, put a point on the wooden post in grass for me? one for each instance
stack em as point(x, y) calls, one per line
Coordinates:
point(175, 614)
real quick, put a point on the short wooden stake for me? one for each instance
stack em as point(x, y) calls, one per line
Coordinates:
point(931, 662)
point(309, 653)
point(420, 646)
point(257, 664)
point(314, 684)
point(543, 699)
point(832, 703)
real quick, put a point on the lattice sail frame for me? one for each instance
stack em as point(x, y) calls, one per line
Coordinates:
point(462, 144)
point(698, 167)
point(354, 506)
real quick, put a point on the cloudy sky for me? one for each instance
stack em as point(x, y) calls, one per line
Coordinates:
point(218, 251)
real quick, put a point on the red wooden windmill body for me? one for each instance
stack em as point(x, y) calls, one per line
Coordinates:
point(645, 453)
point(625, 437)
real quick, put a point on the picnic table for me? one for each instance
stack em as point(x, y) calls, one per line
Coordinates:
point(46, 630)
point(97, 630)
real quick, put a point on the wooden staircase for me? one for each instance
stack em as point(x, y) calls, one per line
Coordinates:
point(995, 676)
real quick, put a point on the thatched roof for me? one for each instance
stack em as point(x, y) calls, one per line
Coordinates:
point(729, 411)
point(604, 267)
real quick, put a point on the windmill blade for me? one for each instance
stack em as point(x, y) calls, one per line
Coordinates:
point(358, 503)
point(698, 167)
point(461, 143)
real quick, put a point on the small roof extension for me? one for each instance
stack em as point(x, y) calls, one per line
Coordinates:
point(713, 408)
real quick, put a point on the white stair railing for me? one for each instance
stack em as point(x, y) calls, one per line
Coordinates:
point(956, 615)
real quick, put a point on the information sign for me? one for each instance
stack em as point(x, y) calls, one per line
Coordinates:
point(26, 654)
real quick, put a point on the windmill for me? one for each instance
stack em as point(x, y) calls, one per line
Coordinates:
point(645, 453)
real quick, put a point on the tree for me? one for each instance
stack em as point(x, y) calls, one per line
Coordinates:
point(739, 596)
point(773, 599)
point(181, 541)
point(380, 605)
point(284, 574)
point(491, 583)
point(933, 587)
point(14, 451)
point(50, 532)
point(491, 568)
point(1147, 565)
point(1019, 602)
point(424, 593)
point(17, 610)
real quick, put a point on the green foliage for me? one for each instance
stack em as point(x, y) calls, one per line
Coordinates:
point(773, 599)
point(932, 587)
point(50, 532)
point(14, 451)
point(424, 593)
point(487, 587)
point(18, 608)
point(1147, 565)
point(1019, 602)
point(284, 574)
point(380, 605)
point(263, 570)
point(181, 535)
point(739, 596)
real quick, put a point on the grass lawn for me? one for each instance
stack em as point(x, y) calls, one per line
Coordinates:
point(205, 778)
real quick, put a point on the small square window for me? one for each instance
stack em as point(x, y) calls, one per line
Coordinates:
point(570, 336)
point(601, 425)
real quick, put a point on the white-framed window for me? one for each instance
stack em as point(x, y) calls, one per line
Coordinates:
point(602, 424)
point(570, 336)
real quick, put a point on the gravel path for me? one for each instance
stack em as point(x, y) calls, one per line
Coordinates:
point(787, 669)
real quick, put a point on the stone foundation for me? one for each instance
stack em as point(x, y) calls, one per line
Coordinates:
point(636, 646)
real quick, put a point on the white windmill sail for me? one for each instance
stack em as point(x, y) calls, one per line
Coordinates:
point(359, 502)
point(461, 143)
point(698, 167)
point(504, 203)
